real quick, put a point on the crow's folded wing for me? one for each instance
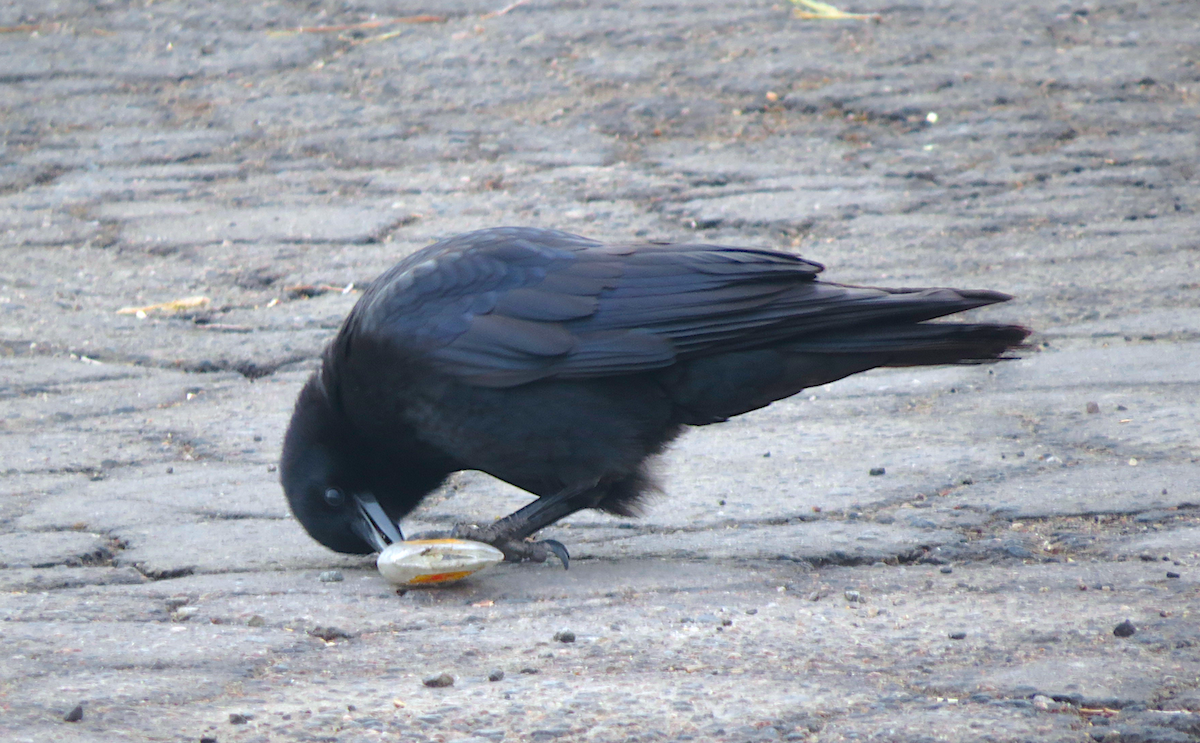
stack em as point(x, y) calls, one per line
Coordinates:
point(507, 306)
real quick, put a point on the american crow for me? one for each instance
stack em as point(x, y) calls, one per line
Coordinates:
point(560, 364)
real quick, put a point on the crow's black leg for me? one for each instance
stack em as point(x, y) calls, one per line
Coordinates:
point(511, 534)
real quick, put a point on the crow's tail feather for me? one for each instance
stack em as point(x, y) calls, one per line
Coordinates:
point(715, 388)
point(923, 344)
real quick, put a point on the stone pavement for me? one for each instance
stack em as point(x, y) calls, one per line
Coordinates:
point(159, 150)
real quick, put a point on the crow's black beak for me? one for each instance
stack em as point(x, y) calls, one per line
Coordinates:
point(374, 526)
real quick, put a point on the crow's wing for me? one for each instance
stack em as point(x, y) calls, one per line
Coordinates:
point(507, 306)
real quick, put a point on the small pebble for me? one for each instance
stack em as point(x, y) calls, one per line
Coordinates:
point(530, 671)
point(329, 634)
point(564, 636)
point(1046, 704)
point(208, 739)
point(255, 621)
point(1124, 629)
point(496, 675)
point(331, 576)
point(752, 612)
point(237, 718)
point(439, 681)
point(947, 570)
point(877, 471)
point(958, 635)
point(74, 715)
point(175, 602)
point(1172, 575)
point(1016, 550)
point(1093, 408)
point(170, 470)
point(852, 596)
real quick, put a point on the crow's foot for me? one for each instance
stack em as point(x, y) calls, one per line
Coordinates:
point(515, 550)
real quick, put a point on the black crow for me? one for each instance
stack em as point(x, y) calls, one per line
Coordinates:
point(560, 364)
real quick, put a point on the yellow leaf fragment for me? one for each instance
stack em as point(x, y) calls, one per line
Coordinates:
point(825, 12)
point(175, 305)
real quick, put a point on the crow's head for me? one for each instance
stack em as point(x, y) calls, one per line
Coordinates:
point(324, 471)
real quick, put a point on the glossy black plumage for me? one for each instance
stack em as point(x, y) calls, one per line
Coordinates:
point(560, 364)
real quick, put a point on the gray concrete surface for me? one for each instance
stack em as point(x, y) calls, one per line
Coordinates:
point(158, 150)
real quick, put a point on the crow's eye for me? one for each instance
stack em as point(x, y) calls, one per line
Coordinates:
point(334, 498)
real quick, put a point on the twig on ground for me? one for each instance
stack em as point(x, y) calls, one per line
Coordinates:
point(26, 28)
point(306, 291)
point(378, 23)
point(505, 9)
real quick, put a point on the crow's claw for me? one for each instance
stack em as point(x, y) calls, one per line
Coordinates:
point(515, 550)
point(559, 551)
point(533, 551)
